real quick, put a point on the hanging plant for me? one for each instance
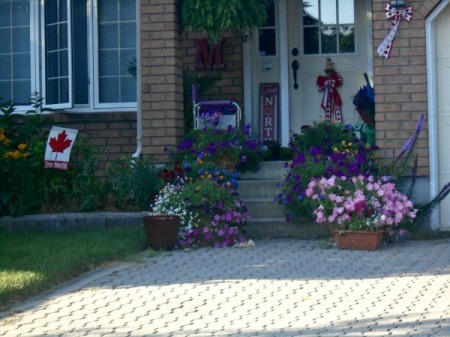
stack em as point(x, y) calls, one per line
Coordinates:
point(212, 17)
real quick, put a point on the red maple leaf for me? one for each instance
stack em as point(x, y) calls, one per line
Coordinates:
point(61, 143)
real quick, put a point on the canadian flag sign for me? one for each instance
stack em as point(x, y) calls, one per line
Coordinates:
point(59, 145)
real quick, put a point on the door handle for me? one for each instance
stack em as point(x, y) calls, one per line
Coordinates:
point(295, 66)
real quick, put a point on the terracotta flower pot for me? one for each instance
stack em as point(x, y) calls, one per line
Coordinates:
point(162, 231)
point(359, 240)
point(226, 161)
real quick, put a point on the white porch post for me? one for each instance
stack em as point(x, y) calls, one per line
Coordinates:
point(284, 73)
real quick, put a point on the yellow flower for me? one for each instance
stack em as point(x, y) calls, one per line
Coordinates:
point(22, 147)
point(12, 154)
point(335, 149)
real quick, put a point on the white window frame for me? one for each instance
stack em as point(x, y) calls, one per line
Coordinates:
point(37, 61)
point(69, 104)
point(95, 84)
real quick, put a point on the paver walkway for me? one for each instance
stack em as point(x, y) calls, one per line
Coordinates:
point(277, 288)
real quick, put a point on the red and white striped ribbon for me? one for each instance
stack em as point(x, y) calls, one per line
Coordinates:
point(384, 50)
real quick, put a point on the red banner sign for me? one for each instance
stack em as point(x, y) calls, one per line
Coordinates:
point(269, 94)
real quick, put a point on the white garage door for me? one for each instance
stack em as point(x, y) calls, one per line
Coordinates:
point(442, 52)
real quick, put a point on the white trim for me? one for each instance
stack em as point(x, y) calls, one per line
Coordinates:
point(43, 75)
point(138, 152)
point(34, 46)
point(90, 50)
point(96, 66)
point(247, 75)
point(432, 108)
point(284, 72)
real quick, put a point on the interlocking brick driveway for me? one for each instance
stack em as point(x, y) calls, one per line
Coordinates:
point(277, 288)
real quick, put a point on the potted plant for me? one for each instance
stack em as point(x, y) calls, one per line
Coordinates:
point(212, 17)
point(206, 207)
point(226, 148)
point(359, 204)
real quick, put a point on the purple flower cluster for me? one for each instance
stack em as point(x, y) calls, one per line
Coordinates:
point(224, 229)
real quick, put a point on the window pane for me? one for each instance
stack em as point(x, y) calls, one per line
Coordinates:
point(127, 12)
point(311, 40)
point(109, 90)
point(21, 66)
point(15, 67)
point(328, 14)
point(5, 40)
point(329, 40)
point(270, 22)
point(346, 39)
point(5, 14)
point(128, 30)
point(6, 68)
point(267, 42)
point(311, 12)
point(125, 58)
point(346, 11)
point(117, 46)
point(80, 53)
point(21, 13)
point(108, 35)
point(108, 10)
point(21, 39)
point(56, 52)
point(336, 26)
point(22, 92)
point(109, 63)
point(128, 89)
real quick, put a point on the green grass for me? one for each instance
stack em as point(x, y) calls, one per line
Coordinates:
point(32, 262)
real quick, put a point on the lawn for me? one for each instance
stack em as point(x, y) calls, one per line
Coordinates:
point(32, 262)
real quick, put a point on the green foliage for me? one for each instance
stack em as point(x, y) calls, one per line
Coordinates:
point(214, 16)
point(234, 145)
point(276, 152)
point(134, 183)
point(21, 157)
point(204, 84)
point(322, 134)
point(27, 187)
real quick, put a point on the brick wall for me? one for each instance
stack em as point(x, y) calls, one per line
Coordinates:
point(113, 132)
point(230, 84)
point(162, 77)
point(401, 82)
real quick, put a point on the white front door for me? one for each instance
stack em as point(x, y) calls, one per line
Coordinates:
point(306, 33)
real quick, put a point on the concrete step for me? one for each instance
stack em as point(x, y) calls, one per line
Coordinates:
point(279, 228)
point(249, 189)
point(264, 208)
point(269, 170)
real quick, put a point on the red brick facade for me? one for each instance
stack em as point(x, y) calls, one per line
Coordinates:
point(400, 83)
point(113, 132)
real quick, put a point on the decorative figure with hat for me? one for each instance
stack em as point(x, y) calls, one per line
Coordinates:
point(331, 101)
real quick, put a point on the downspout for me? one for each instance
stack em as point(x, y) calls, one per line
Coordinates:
point(138, 152)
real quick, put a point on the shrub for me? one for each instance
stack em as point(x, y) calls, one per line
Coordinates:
point(323, 150)
point(134, 183)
